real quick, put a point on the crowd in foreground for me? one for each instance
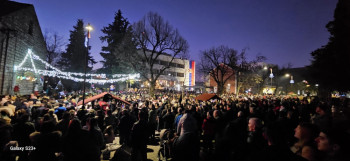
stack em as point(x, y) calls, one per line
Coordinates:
point(246, 128)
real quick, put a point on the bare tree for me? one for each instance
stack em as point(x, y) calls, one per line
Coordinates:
point(219, 63)
point(155, 37)
point(54, 45)
point(248, 72)
point(223, 63)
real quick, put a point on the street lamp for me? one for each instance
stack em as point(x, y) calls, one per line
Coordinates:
point(271, 76)
point(88, 36)
point(291, 80)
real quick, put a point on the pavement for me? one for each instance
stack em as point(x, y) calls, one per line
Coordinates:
point(152, 148)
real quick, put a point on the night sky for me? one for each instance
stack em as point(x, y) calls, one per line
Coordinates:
point(285, 31)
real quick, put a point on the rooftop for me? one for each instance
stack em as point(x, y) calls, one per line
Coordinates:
point(7, 7)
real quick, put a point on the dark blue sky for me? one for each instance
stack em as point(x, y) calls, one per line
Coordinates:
point(285, 31)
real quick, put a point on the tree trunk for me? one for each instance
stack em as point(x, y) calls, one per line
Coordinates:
point(152, 87)
point(239, 86)
point(220, 89)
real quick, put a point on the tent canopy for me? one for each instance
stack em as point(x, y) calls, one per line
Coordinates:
point(102, 95)
point(207, 96)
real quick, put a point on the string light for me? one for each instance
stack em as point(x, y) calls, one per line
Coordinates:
point(70, 75)
point(26, 78)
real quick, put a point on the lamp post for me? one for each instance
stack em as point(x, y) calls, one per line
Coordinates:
point(291, 81)
point(271, 76)
point(88, 36)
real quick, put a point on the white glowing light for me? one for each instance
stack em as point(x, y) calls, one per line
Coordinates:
point(71, 75)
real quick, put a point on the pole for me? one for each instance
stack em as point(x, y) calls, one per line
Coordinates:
point(271, 83)
point(85, 64)
point(271, 76)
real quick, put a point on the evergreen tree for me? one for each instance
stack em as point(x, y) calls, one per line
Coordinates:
point(119, 43)
point(73, 59)
point(330, 63)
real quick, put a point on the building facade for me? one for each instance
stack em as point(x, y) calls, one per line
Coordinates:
point(19, 31)
point(230, 85)
point(180, 74)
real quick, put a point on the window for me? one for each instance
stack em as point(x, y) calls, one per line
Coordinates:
point(172, 74)
point(164, 63)
point(180, 74)
point(180, 66)
point(173, 64)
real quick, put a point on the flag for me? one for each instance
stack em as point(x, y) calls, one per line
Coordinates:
point(86, 42)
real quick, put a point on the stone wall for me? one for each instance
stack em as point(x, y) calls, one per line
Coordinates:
point(25, 33)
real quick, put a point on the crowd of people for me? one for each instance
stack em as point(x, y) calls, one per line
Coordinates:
point(246, 128)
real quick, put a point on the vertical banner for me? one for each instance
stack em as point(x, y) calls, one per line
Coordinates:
point(192, 71)
point(190, 75)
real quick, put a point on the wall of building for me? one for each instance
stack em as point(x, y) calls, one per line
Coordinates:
point(177, 75)
point(230, 84)
point(25, 34)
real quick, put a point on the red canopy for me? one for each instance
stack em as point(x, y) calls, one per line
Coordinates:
point(119, 99)
point(207, 96)
point(100, 96)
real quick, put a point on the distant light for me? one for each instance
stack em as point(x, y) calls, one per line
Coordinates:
point(89, 27)
point(265, 67)
point(316, 85)
point(287, 75)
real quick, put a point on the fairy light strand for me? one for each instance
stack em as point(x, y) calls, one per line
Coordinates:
point(71, 75)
